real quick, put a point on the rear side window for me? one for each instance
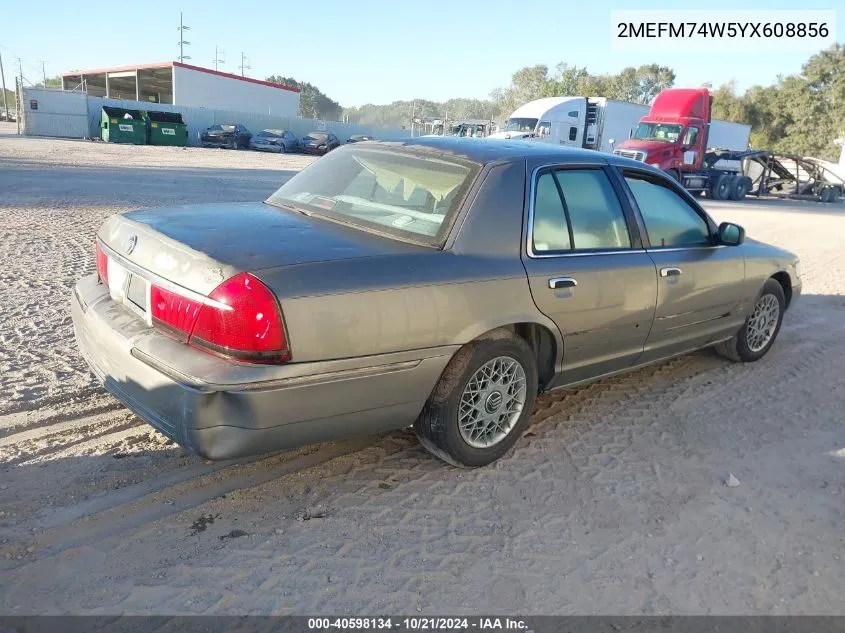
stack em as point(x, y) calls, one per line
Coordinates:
point(669, 220)
point(551, 231)
point(577, 209)
point(594, 211)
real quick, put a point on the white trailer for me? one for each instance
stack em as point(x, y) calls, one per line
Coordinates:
point(727, 135)
point(575, 121)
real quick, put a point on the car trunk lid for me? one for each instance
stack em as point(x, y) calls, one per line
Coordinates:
point(199, 246)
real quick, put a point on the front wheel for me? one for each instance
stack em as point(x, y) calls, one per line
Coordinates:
point(756, 337)
point(482, 403)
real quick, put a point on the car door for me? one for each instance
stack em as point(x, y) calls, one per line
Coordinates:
point(700, 283)
point(587, 269)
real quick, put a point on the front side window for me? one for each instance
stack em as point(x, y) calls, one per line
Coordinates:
point(691, 136)
point(544, 128)
point(410, 194)
point(669, 220)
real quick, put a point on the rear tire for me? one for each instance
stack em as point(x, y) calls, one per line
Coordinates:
point(482, 402)
point(721, 187)
point(757, 335)
point(739, 188)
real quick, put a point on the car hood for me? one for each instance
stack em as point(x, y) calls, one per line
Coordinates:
point(198, 246)
point(644, 146)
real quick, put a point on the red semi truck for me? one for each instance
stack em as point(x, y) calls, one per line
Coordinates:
point(678, 137)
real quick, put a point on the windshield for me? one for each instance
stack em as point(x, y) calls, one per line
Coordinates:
point(316, 136)
point(270, 133)
point(221, 128)
point(411, 194)
point(657, 132)
point(520, 125)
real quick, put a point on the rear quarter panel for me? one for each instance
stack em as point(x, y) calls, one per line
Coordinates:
point(419, 300)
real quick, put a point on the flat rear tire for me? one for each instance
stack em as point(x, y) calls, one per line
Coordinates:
point(482, 403)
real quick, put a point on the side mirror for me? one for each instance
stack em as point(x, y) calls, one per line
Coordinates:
point(731, 234)
point(611, 141)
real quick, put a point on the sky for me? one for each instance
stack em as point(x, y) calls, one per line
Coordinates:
point(370, 51)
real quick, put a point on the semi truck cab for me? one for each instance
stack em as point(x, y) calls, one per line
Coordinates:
point(673, 136)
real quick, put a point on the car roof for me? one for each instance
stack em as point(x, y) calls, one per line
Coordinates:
point(485, 150)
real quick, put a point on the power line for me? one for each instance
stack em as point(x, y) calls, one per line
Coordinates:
point(244, 67)
point(182, 42)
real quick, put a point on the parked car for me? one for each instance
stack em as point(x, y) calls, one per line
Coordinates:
point(358, 138)
point(415, 283)
point(319, 143)
point(229, 135)
point(274, 141)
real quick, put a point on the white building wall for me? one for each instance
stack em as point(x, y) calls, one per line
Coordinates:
point(199, 89)
point(77, 115)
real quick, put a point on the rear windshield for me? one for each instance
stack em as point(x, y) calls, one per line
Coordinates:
point(317, 136)
point(407, 194)
point(225, 127)
point(270, 133)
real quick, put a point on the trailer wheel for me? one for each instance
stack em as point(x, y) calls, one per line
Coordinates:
point(829, 194)
point(739, 188)
point(721, 189)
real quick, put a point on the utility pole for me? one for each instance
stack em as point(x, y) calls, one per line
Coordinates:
point(413, 117)
point(43, 73)
point(182, 42)
point(243, 65)
point(5, 98)
point(217, 59)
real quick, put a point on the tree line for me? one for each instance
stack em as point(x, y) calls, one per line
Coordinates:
point(802, 113)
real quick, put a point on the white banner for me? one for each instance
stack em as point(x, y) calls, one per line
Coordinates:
point(711, 31)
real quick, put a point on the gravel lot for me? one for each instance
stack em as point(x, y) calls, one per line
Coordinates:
point(614, 502)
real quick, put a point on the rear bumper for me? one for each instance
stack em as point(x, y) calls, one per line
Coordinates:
point(224, 410)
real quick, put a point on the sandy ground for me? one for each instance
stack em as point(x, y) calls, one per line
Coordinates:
point(613, 502)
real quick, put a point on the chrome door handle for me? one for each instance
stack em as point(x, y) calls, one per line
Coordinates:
point(562, 282)
point(670, 272)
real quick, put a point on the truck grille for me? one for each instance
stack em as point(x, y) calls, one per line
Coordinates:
point(630, 153)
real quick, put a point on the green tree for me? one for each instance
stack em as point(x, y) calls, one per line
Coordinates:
point(313, 104)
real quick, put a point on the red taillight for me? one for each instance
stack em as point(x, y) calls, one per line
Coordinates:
point(173, 311)
point(245, 323)
point(102, 264)
point(247, 326)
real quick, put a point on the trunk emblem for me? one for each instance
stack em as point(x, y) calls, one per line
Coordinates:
point(130, 244)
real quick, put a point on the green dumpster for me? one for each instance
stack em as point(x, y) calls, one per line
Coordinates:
point(119, 125)
point(166, 128)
